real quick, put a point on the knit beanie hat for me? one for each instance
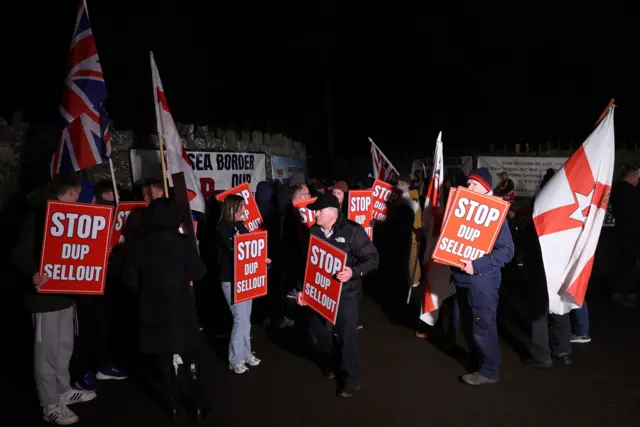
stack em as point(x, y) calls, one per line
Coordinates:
point(483, 176)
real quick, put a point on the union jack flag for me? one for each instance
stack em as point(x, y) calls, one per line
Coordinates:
point(382, 167)
point(85, 137)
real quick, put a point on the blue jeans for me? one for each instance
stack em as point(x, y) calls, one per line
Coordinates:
point(580, 320)
point(240, 341)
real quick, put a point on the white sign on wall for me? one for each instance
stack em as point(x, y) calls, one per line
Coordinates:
point(526, 172)
point(216, 170)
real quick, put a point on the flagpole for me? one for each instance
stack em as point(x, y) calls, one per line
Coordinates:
point(160, 124)
point(385, 157)
point(604, 113)
point(113, 174)
point(164, 166)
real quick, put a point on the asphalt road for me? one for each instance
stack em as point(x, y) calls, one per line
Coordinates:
point(405, 381)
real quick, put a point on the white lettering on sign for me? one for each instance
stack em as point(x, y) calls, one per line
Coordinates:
point(468, 233)
point(73, 272)
point(74, 251)
point(323, 281)
point(245, 195)
point(360, 219)
point(460, 249)
point(121, 219)
point(359, 204)
point(320, 297)
point(253, 225)
point(250, 284)
point(381, 192)
point(306, 215)
point(483, 215)
point(379, 205)
point(250, 249)
point(325, 261)
point(83, 226)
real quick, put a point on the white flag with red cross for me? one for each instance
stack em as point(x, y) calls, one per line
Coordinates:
point(437, 282)
point(176, 154)
point(568, 216)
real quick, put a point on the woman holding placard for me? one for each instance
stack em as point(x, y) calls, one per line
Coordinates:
point(232, 216)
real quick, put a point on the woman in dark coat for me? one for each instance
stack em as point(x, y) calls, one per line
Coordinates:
point(158, 266)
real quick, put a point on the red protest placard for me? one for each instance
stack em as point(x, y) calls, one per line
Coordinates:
point(253, 219)
point(122, 213)
point(75, 247)
point(360, 209)
point(471, 227)
point(249, 266)
point(307, 217)
point(321, 290)
point(382, 194)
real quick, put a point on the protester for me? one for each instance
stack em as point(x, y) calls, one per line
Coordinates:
point(505, 188)
point(158, 267)
point(477, 286)
point(230, 224)
point(362, 259)
point(152, 190)
point(340, 190)
point(52, 314)
point(625, 206)
point(92, 357)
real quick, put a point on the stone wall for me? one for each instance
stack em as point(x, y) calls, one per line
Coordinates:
point(25, 152)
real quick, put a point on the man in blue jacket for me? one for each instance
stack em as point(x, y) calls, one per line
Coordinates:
point(477, 287)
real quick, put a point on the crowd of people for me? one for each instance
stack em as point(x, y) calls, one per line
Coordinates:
point(77, 340)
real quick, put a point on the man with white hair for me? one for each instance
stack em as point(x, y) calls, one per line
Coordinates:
point(362, 259)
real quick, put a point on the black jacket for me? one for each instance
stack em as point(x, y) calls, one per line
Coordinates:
point(224, 240)
point(625, 206)
point(362, 255)
point(26, 257)
point(158, 266)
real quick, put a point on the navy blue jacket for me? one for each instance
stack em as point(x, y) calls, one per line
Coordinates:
point(487, 268)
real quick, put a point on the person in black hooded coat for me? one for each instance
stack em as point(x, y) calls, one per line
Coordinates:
point(158, 266)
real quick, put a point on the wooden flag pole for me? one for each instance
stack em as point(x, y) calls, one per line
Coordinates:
point(164, 166)
point(604, 113)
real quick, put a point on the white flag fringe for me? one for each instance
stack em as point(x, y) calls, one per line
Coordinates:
point(568, 216)
point(177, 159)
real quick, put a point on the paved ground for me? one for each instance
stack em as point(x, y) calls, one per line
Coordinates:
point(406, 382)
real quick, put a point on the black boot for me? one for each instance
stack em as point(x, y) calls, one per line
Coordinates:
point(171, 392)
point(195, 389)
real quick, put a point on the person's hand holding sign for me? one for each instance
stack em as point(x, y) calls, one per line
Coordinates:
point(468, 266)
point(299, 300)
point(345, 274)
point(39, 280)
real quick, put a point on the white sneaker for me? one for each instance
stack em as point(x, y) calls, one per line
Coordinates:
point(59, 414)
point(239, 369)
point(77, 396)
point(252, 360)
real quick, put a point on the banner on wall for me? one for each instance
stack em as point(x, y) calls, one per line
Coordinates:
point(216, 170)
point(526, 172)
point(283, 167)
point(452, 165)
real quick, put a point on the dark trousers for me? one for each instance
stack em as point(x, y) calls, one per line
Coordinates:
point(628, 271)
point(550, 333)
point(91, 349)
point(346, 328)
point(478, 312)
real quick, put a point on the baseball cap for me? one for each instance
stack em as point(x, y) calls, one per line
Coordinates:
point(324, 200)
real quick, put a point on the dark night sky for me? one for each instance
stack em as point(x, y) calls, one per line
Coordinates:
point(483, 72)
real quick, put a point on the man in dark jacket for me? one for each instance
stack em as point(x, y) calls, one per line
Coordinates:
point(477, 286)
point(625, 206)
point(362, 259)
point(53, 314)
